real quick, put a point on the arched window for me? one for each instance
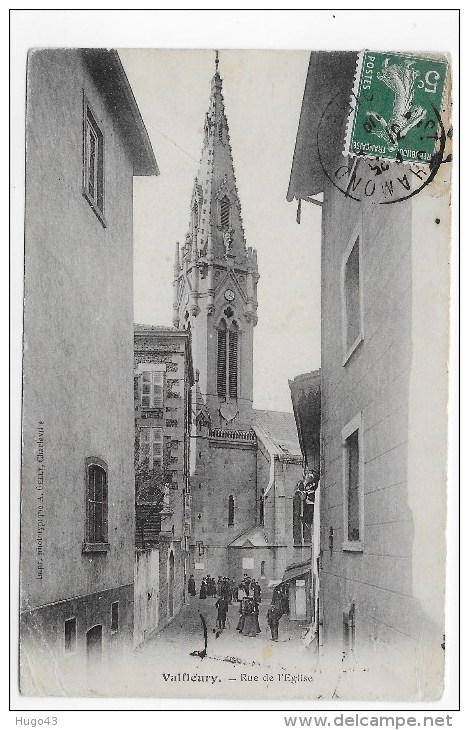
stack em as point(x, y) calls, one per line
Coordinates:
point(225, 212)
point(227, 359)
point(231, 510)
point(233, 360)
point(221, 360)
point(96, 502)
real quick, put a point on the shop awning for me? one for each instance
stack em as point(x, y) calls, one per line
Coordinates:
point(296, 571)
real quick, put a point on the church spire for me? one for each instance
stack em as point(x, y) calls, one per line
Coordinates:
point(216, 289)
point(215, 207)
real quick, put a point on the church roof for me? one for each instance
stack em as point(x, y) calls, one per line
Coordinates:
point(253, 537)
point(280, 429)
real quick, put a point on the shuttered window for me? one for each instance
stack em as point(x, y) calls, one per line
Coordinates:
point(221, 361)
point(151, 447)
point(233, 363)
point(152, 389)
point(227, 360)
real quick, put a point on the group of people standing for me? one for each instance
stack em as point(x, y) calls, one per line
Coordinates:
point(248, 594)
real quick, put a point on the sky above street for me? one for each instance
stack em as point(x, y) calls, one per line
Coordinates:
point(263, 91)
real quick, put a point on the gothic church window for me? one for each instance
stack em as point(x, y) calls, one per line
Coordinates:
point(231, 510)
point(221, 360)
point(227, 360)
point(233, 361)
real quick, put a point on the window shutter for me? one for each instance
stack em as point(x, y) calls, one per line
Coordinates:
point(221, 363)
point(233, 364)
point(146, 390)
point(158, 378)
point(157, 446)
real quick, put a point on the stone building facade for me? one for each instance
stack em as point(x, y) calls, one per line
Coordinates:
point(85, 142)
point(242, 479)
point(384, 321)
point(163, 378)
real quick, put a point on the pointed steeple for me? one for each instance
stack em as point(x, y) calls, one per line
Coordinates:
point(216, 222)
point(216, 289)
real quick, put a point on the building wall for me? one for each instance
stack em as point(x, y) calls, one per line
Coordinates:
point(223, 468)
point(380, 580)
point(171, 350)
point(78, 323)
point(147, 593)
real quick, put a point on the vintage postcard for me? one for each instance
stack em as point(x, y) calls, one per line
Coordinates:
point(235, 386)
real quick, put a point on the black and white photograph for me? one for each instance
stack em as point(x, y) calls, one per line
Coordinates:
point(235, 384)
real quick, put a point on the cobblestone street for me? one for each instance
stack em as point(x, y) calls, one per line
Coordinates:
point(164, 667)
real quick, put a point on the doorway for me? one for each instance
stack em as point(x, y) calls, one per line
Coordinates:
point(171, 585)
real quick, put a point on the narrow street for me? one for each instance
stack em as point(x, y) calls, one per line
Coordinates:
point(164, 667)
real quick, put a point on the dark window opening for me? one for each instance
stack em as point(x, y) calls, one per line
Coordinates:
point(70, 635)
point(115, 616)
point(261, 509)
point(353, 497)
point(262, 567)
point(297, 521)
point(231, 510)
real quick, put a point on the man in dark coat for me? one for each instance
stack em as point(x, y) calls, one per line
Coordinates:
point(191, 586)
point(273, 619)
point(203, 589)
point(222, 609)
point(256, 589)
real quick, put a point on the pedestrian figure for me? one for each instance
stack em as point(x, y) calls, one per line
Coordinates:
point(242, 611)
point(235, 592)
point(273, 619)
point(256, 589)
point(191, 586)
point(203, 589)
point(251, 621)
point(222, 606)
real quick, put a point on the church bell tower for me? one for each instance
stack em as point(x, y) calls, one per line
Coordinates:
point(215, 281)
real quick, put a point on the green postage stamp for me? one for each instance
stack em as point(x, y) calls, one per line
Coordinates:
point(396, 107)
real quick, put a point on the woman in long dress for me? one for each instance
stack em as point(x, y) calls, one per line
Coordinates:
point(203, 589)
point(251, 622)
